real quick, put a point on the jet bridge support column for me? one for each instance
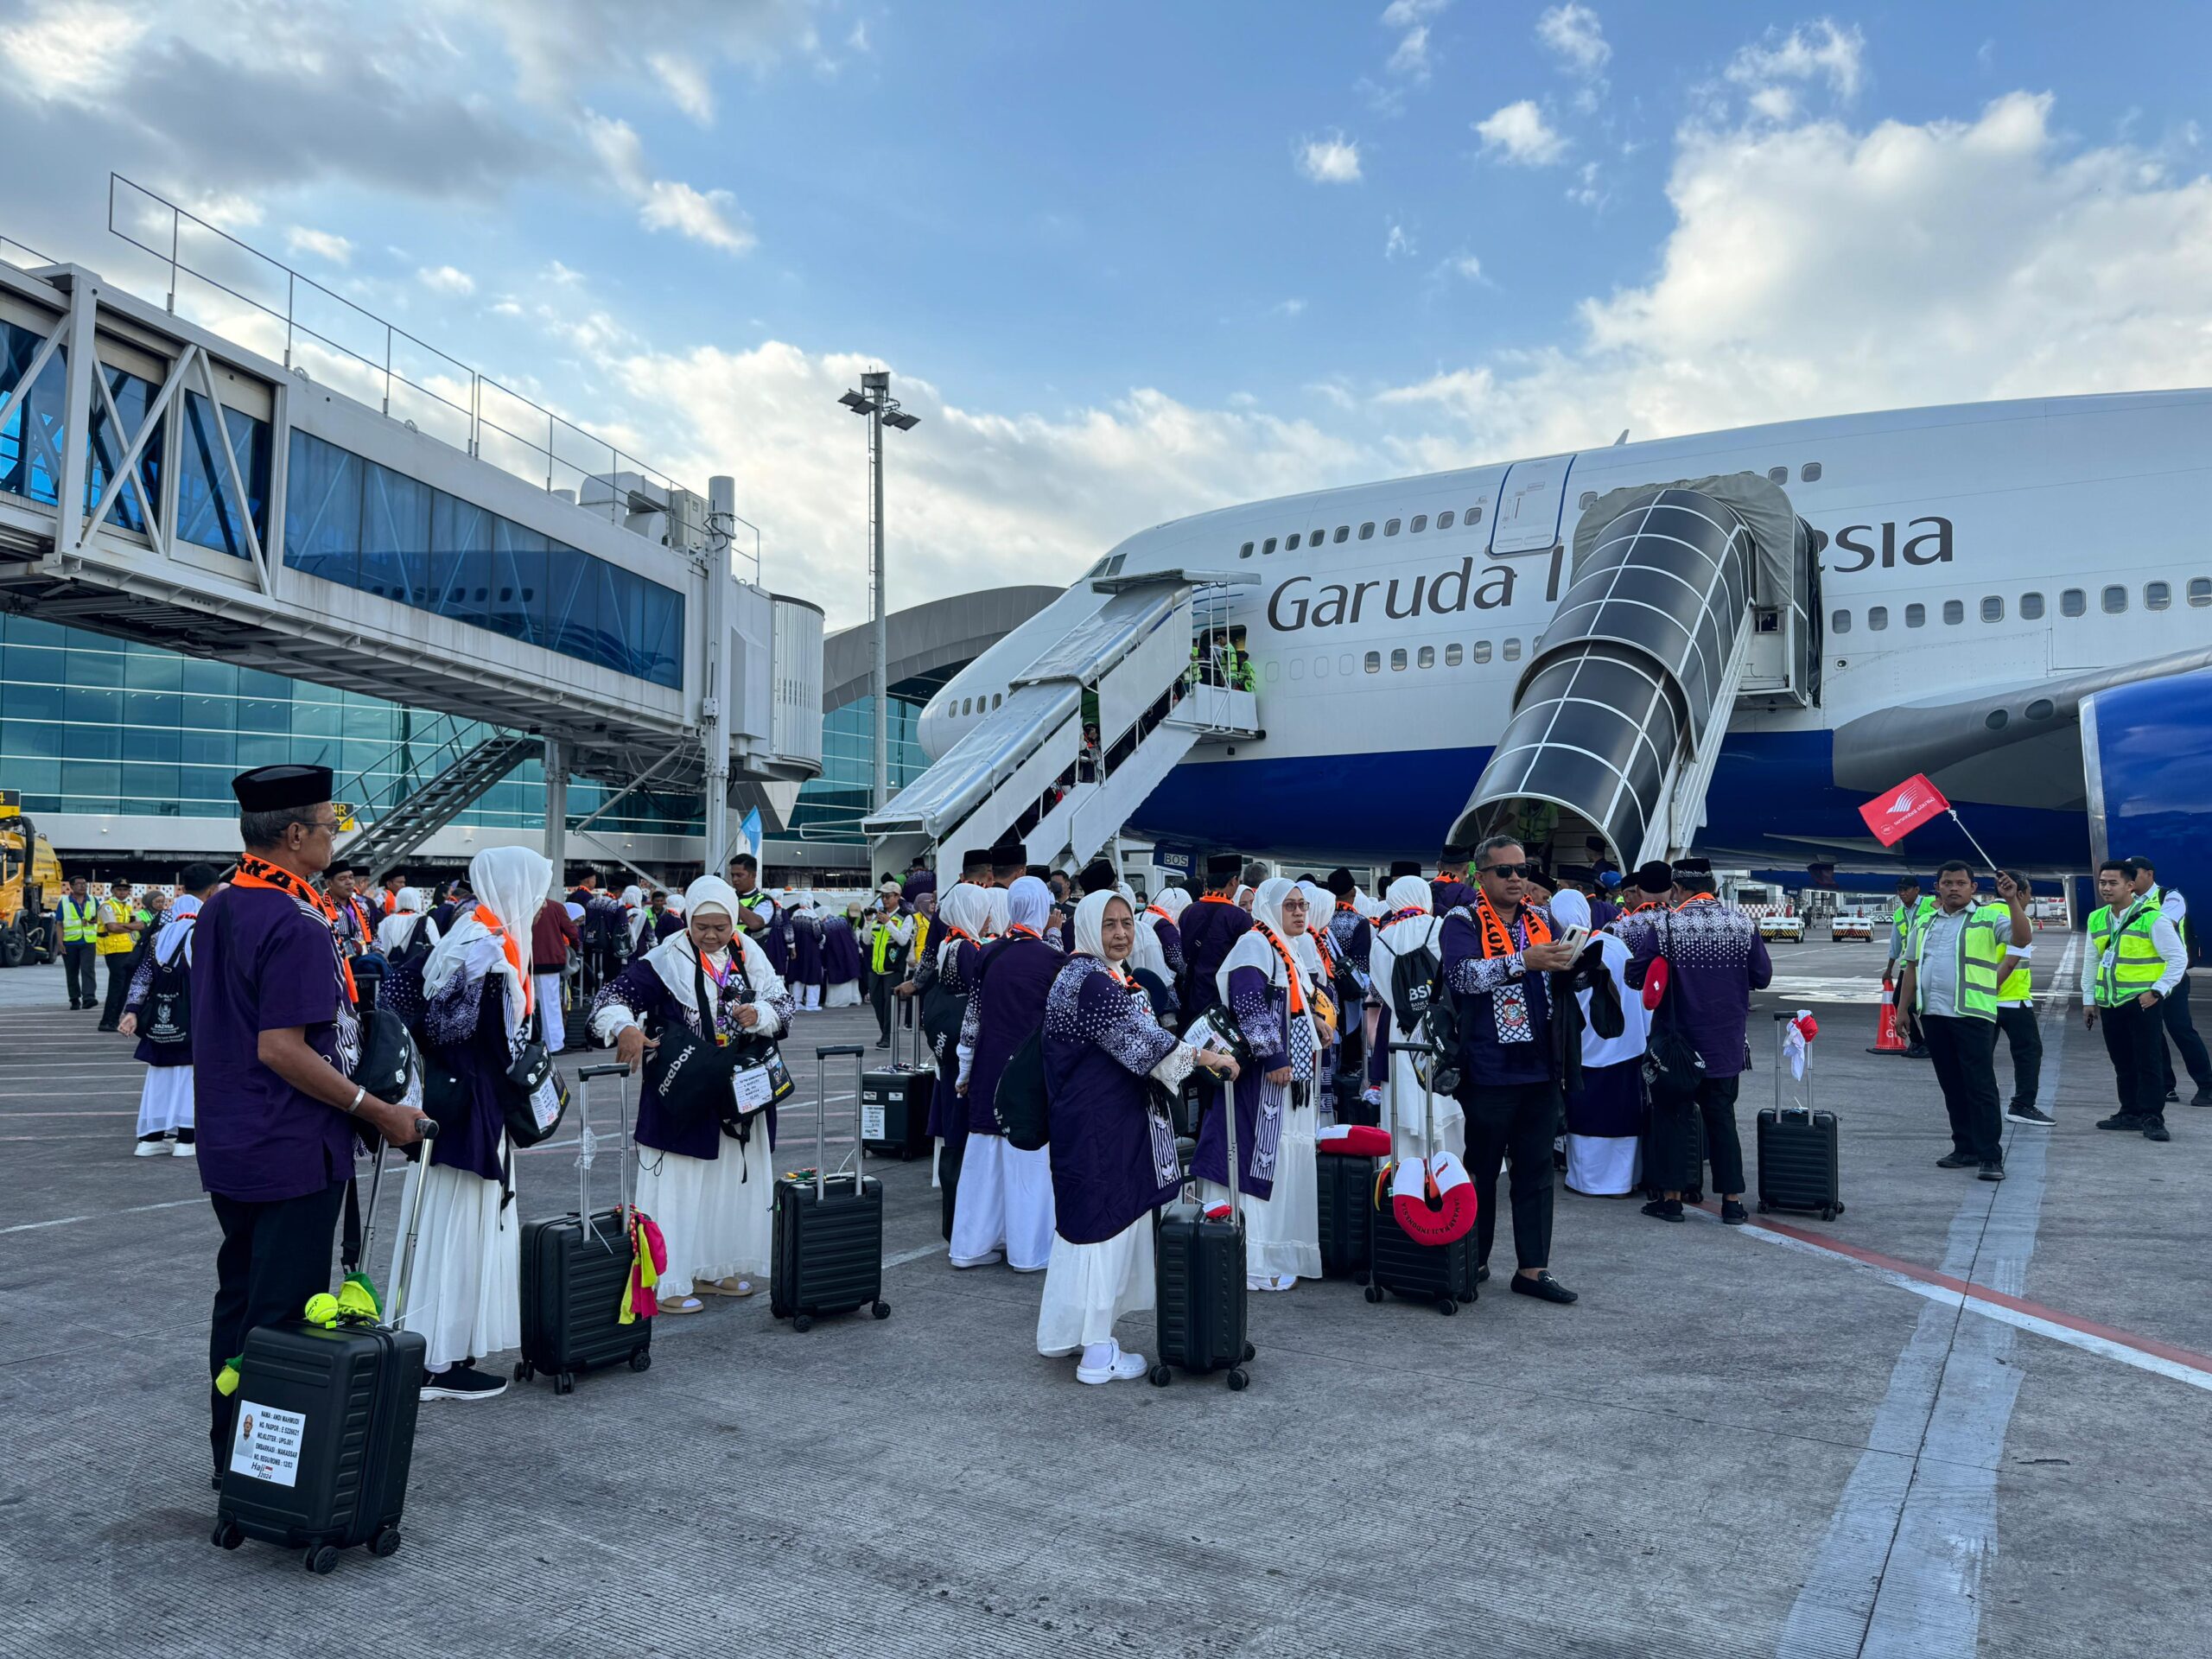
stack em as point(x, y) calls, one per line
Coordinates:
point(557, 811)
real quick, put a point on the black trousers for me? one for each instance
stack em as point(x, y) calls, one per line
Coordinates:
point(1674, 1139)
point(1515, 1121)
point(120, 967)
point(273, 1257)
point(880, 994)
point(77, 973)
point(2181, 1028)
point(2025, 1038)
point(1965, 1052)
point(2135, 1039)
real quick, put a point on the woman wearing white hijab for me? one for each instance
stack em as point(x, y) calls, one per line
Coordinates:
point(1604, 1118)
point(1407, 926)
point(1113, 1149)
point(1159, 941)
point(397, 931)
point(1270, 998)
point(1319, 961)
point(1003, 1208)
point(998, 922)
point(712, 1194)
point(478, 1000)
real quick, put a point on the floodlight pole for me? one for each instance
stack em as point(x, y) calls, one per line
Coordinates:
point(879, 643)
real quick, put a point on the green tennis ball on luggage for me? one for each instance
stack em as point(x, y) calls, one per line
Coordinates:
point(226, 1380)
point(323, 1309)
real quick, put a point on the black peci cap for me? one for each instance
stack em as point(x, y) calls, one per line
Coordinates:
point(1455, 854)
point(1404, 866)
point(1098, 876)
point(1223, 866)
point(977, 858)
point(1698, 867)
point(273, 789)
point(1340, 883)
point(1657, 876)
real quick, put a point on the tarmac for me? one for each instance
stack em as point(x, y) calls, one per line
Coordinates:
point(1960, 1418)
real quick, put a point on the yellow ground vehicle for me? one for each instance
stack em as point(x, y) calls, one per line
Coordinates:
point(27, 895)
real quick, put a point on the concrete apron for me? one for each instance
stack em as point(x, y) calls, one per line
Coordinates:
point(1898, 1574)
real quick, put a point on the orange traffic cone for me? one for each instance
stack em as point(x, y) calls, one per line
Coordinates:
point(1888, 1039)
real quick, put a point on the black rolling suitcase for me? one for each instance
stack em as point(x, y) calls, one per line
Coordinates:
point(575, 1269)
point(1199, 1279)
point(324, 1434)
point(895, 1104)
point(1799, 1168)
point(829, 1229)
point(1441, 1274)
point(1347, 1182)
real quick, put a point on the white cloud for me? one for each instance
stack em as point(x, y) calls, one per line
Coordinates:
point(1773, 103)
point(1398, 245)
point(1520, 131)
point(1411, 59)
point(1289, 308)
point(1817, 50)
point(1405, 14)
point(324, 244)
point(708, 216)
point(446, 279)
point(69, 48)
point(560, 46)
point(685, 79)
point(1466, 265)
point(1330, 161)
point(1573, 34)
point(1583, 192)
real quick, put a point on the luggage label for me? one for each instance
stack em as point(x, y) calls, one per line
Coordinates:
point(266, 1443)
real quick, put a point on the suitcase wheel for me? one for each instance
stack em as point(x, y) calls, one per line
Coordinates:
point(523, 1370)
point(565, 1382)
point(1828, 1211)
point(642, 1360)
point(1250, 1350)
point(1375, 1293)
point(1159, 1376)
point(1446, 1305)
point(1764, 1207)
point(228, 1534)
point(1239, 1381)
point(881, 1310)
point(320, 1557)
point(385, 1542)
point(802, 1321)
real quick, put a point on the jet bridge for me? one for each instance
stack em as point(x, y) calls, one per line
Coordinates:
point(1686, 600)
point(1025, 768)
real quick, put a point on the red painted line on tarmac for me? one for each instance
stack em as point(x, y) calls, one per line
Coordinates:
point(1972, 1292)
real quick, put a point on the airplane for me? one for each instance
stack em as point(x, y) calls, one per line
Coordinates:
point(2014, 598)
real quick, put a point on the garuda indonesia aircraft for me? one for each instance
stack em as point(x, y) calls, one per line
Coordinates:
point(1728, 641)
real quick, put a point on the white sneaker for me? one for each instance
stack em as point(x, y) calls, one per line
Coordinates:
point(155, 1148)
point(1127, 1367)
point(990, 1261)
point(186, 1149)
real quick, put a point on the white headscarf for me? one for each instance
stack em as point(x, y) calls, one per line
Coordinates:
point(1252, 949)
point(511, 882)
point(1411, 893)
point(710, 892)
point(394, 931)
point(999, 906)
point(675, 958)
point(1091, 921)
point(633, 898)
point(1570, 909)
point(1028, 904)
point(967, 907)
point(1320, 904)
point(1174, 901)
point(176, 929)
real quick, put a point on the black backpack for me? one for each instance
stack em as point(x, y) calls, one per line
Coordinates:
point(1021, 1105)
point(167, 1020)
point(415, 952)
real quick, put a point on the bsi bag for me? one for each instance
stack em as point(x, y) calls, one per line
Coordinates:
point(1421, 1001)
point(166, 1021)
point(533, 1095)
point(1021, 1106)
point(1673, 1069)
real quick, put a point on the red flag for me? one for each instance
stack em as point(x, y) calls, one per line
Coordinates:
point(1903, 810)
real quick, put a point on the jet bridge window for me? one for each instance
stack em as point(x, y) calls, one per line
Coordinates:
point(2073, 602)
point(2158, 595)
point(2200, 591)
point(2114, 600)
point(2031, 607)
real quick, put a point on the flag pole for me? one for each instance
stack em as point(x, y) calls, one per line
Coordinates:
point(1978, 846)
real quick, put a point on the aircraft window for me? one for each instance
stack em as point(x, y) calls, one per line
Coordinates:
point(1268, 672)
point(1777, 474)
point(1589, 500)
point(1342, 530)
point(1955, 612)
point(1840, 622)
point(2041, 709)
point(1482, 651)
point(968, 705)
point(1367, 531)
point(2157, 595)
point(1996, 720)
point(1320, 668)
point(1267, 547)
point(997, 698)
point(1420, 524)
point(1398, 660)
point(1916, 616)
point(2114, 600)
point(1474, 515)
point(2031, 607)
point(1427, 657)
point(1290, 543)
point(2200, 590)
point(1993, 608)
point(2073, 602)
point(1513, 651)
point(1297, 668)
point(1877, 617)
point(1316, 538)
point(1245, 551)
point(1444, 521)
point(1344, 663)
point(1809, 473)
point(1390, 528)
point(1451, 655)
point(1114, 565)
point(1375, 662)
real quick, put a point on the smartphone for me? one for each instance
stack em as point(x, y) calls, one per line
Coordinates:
point(1574, 938)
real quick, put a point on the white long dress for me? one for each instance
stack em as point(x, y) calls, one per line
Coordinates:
point(466, 1294)
point(1405, 1102)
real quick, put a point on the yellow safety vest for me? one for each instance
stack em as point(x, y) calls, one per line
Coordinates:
point(2016, 988)
point(1979, 953)
point(2131, 967)
point(78, 926)
point(117, 944)
point(921, 936)
point(879, 947)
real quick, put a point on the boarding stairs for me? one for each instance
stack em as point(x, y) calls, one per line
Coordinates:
point(1686, 601)
point(425, 782)
point(1024, 768)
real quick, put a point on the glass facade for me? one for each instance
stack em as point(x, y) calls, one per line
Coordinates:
point(830, 807)
point(351, 521)
point(90, 724)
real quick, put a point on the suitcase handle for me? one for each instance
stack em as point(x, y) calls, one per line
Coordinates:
point(858, 1054)
point(402, 1260)
point(586, 1076)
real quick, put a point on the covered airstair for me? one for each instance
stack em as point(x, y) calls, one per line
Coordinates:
point(1686, 601)
point(1141, 665)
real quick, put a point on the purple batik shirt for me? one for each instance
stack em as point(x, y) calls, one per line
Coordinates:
point(1715, 959)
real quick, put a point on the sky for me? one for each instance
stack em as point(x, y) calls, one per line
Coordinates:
point(1132, 262)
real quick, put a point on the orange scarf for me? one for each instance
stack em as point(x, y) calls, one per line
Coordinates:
point(1289, 967)
point(260, 873)
point(513, 953)
point(1497, 940)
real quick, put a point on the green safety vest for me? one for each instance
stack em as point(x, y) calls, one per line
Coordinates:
point(1980, 952)
point(2015, 986)
point(2132, 966)
point(879, 947)
point(1902, 926)
point(78, 926)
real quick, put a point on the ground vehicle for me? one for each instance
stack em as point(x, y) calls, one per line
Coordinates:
point(1770, 906)
point(1850, 925)
point(27, 894)
point(1783, 924)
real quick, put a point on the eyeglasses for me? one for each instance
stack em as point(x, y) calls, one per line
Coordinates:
point(1508, 871)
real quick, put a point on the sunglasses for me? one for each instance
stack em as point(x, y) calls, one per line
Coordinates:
point(1508, 871)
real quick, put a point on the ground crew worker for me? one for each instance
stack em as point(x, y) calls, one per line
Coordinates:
point(2134, 961)
point(1958, 957)
point(889, 933)
point(121, 927)
point(1912, 909)
point(1240, 665)
point(2016, 1018)
point(2181, 1028)
point(80, 920)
